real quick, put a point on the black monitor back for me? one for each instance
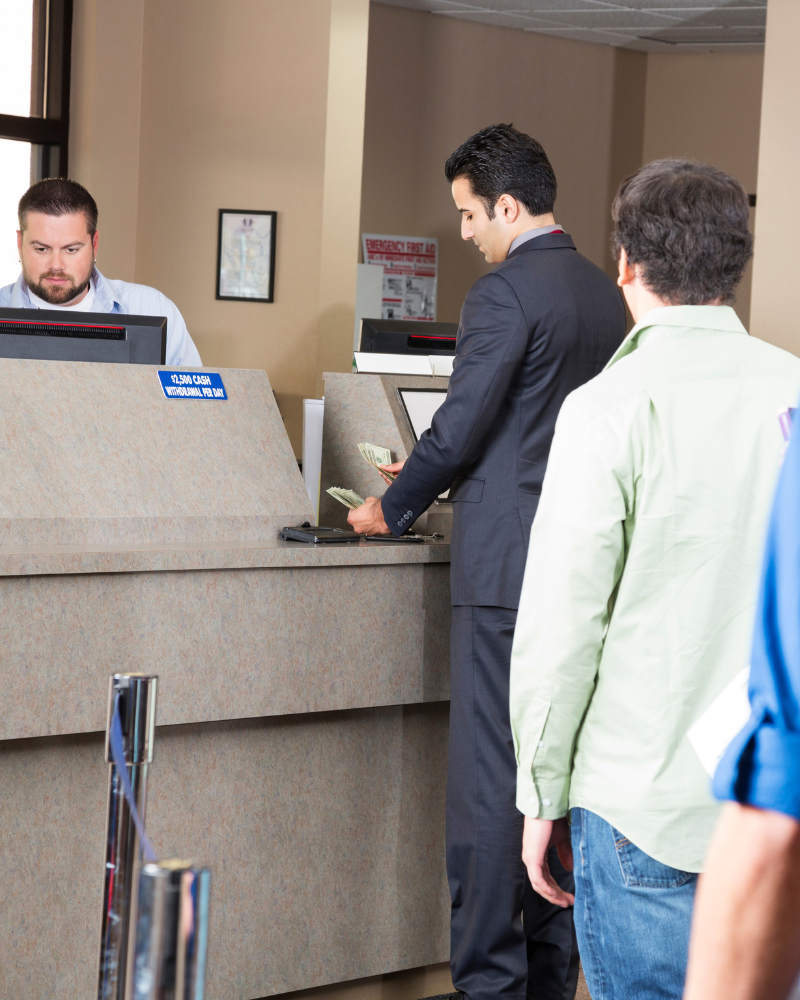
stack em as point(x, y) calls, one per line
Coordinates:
point(402, 336)
point(113, 338)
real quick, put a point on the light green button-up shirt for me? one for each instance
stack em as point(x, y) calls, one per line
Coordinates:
point(639, 591)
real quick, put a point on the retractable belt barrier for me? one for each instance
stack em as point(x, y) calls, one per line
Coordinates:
point(155, 916)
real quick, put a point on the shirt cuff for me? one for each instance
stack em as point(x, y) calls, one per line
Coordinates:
point(761, 768)
point(546, 803)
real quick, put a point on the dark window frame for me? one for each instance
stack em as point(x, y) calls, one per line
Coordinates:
point(48, 126)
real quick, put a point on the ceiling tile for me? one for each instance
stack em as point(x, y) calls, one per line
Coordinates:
point(646, 25)
point(754, 18)
point(549, 6)
point(535, 8)
point(499, 20)
point(683, 32)
point(611, 19)
point(688, 8)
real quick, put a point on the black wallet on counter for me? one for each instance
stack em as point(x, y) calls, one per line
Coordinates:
point(309, 533)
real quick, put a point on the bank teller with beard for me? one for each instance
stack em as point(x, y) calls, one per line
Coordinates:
point(57, 241)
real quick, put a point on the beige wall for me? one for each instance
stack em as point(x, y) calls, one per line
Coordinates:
point(245, 126)
point(599, 112)
point(105, 113)
point(433, 81)
point(775, 273)
point(707, 107)
point(183, 107)
point(344, 130)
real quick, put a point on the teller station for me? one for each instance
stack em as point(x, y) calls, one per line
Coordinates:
point(301, 729)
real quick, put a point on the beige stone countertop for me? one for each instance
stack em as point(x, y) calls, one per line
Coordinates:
point(37, 560)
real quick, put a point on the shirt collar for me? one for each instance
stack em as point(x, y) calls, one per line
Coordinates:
point(531, 234)
point(104, 298)
point(677, 321)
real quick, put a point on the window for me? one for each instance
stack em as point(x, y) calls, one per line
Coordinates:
point(35, 45)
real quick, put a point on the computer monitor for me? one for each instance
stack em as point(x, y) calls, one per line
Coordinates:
point(401, 336)
point(420, 406)
point(113, 338)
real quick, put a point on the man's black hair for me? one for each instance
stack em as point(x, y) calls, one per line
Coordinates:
point(500, 160)
point(687, 224)
point(58, 196)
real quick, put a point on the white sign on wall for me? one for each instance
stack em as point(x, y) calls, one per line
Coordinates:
point(410, 266)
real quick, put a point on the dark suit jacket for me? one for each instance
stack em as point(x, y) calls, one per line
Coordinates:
point(541, 324)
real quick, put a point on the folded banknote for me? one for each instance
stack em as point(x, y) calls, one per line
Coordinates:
point(377, 456)
point(347, 497)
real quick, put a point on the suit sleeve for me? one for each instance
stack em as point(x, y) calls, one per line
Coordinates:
point(491, 344)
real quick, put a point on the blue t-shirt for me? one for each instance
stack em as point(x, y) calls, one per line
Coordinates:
point(761, 767)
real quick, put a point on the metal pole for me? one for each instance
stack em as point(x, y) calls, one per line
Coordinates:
point(137, 708)
point(171, 932)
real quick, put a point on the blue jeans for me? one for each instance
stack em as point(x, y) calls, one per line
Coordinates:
point(632, 915)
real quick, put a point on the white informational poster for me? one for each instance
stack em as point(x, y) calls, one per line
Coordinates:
point(410, 266)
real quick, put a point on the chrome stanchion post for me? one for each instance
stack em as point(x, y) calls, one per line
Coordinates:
point(171, 932)
point(135, 695)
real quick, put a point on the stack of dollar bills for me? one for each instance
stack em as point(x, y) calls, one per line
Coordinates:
point(347, 497)
point(376, 457)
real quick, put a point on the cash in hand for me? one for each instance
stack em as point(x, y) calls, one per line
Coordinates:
point(377, 457)
point(347, 497)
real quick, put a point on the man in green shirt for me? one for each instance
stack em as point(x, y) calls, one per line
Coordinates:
point(638, 597)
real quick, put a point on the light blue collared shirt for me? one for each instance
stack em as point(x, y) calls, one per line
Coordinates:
point(532, 234)
point(126, 298)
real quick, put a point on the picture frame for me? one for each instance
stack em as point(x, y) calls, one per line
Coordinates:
point(246, 241)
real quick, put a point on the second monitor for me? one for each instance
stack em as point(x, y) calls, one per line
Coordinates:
point(398, 336)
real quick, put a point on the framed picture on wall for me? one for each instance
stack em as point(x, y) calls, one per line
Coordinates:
point(246, 255)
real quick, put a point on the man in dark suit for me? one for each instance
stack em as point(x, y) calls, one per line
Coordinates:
point(545, 321)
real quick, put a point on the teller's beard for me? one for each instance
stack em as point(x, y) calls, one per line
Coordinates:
point(54, 294)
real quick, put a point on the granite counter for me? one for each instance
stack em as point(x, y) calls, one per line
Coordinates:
point(302, 720)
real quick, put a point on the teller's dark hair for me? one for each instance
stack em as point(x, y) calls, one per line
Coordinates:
point(687, 224)
point(500, 160)
point(58, 196)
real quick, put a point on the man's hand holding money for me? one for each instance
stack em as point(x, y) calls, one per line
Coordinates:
point(394, 468)
point(368, 518)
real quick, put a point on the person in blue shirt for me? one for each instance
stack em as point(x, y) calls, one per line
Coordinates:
point(746, 934)
point(57, 241)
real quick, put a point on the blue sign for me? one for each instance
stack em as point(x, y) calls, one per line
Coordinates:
point(192, 385)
